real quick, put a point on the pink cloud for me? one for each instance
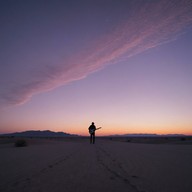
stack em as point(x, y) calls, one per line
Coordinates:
point(150, 25)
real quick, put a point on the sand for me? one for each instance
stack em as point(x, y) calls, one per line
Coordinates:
point(77, 166)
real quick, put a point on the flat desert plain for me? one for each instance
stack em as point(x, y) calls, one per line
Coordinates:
point(75, 165)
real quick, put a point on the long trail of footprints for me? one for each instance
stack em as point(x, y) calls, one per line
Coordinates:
point(106, 161)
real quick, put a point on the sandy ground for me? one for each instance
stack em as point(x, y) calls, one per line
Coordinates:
point(107, 166)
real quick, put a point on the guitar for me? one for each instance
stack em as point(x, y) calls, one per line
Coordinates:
point(92, 130)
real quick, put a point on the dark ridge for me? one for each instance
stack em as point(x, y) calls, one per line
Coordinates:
point(46, 133)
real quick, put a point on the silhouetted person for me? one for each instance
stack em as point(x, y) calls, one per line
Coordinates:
point(92, 129)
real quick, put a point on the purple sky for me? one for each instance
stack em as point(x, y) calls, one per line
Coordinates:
point(124, 64)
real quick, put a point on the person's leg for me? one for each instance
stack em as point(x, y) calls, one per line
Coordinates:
point(93, 138)
point(90, 138)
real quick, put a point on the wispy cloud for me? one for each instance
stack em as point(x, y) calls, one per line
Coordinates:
point(149, 25)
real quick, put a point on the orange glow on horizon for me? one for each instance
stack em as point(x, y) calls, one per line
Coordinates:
point(108, 128)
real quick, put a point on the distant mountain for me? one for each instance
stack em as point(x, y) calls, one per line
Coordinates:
point(148, 135)
point(46, 133)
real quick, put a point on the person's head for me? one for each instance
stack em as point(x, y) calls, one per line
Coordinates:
point(92, 123)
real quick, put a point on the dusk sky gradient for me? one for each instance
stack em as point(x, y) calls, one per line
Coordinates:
point(124, 64)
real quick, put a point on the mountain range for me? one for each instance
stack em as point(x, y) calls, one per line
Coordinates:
point(148, 135)
point(48, 133)
point(45, 133)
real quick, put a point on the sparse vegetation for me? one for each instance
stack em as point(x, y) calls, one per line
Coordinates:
point(183, 139)
point(21, 143)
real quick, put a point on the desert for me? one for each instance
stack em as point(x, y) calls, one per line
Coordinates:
point(74, 165)
point(118, 71)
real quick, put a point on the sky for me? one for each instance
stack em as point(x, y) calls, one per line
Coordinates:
point(125, 65)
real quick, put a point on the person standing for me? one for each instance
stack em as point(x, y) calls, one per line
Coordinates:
point(92, 129)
